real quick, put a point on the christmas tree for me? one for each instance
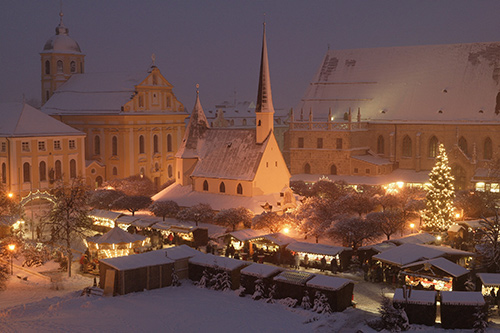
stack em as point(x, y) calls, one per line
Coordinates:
point(440, 195)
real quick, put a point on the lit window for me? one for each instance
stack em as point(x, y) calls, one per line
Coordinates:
point(25, 146)
point(57, 144)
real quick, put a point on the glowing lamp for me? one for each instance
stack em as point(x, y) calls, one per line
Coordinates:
point(10, 195)
point(286, 230)
point(438, 238)
point(11, 247)
point(400, 184)
point(412, 225)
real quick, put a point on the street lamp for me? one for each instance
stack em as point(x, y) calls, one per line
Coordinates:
point(11, 247)
point(412, 226)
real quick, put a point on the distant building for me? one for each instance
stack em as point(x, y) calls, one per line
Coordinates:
point(376, 116)
point(133, 122)
point(37, 150)
point(229, 167)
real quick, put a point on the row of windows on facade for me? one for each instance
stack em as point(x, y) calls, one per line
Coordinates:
point(53, 174)
point(142, 150)
point(154, 100)
point(222, 187)
point(60, 67)
point(319, 143)
point(42, 146)
point(433, 147)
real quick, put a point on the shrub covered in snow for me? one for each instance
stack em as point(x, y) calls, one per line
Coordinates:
point(290, 302)
point(394, 320)
point(481, 320)
point(175, 278)
point(306, 301)
point(259, 290)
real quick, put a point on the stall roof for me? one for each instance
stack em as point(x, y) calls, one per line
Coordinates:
point(327, 282)
point(316, 248)
point(276, 238)
point(380, 247)
point(455, 228)
point(473, 224)
point(126, 219)
point(462, 298)
point(420, 238)
point(261, 270)
point(209, 260)
point(145, 221)
point(105, 214)
point(180, 252)
point(245, 234)
point(294, 277)
point(442, 264)
point(449, 250)
point(152, 258)
point(424, 297)
point(490, 279)
point(116, 236)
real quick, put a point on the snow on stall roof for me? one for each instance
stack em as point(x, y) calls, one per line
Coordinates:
point(490, 279)
point(145, 221)
point(126, 219)
point(105, 214)
point(245, 234)
point(327, 282)
point(295, 277)
point(21, 119)
point(474, 224)
point(449, 250)
point(462, 298)
point(116, 236)
point(180, 252)
point(443, 264)
point(209, 260)
point(420, 238)
point(151, 258)
point(380, 247)
point(409, 83)
point(276, 238)
point(407, 253)
point(455, 228)
point(261, 270)
point(422, 297)
point(316, 248)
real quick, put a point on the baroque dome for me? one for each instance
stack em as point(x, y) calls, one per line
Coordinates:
point(61, 42)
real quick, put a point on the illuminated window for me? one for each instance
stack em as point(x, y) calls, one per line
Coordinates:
point(433, 147)
point(407, 146)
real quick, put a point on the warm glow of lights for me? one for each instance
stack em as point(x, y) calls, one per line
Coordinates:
point(438, 238)
point(412, 225)
point(400, 184)
point(457, 215)
point(12, 247)
point(286, 230)
point(10, 195)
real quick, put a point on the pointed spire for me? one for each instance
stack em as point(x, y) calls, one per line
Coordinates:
point(61, 29)
point(264, 97)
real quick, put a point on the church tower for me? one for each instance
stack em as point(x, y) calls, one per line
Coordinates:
point(61, 57)
point(264, 110)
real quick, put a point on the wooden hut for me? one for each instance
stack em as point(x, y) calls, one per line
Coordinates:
point(419, 305)
point(213, 264)
point(292, 284)
point(458, 308)
point(316, 251)
point(180, 255)
point(103, 220)
point(365, 253)
point(489, 282)
point(123, 275)
point(339, 291)
point(116, 243)
point(256, 271)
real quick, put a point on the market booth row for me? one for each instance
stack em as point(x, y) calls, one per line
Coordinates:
point(215, 264)
point(333, 254)
point(419, 305)
point(458, 308)
point(265, 273)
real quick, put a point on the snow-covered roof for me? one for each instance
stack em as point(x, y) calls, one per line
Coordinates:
point(261, 270)
point(104, 214)
point(327, 282)
point(116, 236)
point(422, 297)
point(276, 238)
point(294, 277)
point(209, 260)
point(441, 263)
point(152, 258)
point(455, 228)
point(21, 119)
point(245, 234)
point(449, 250)
point(377, 160)
point(126, 219)
point(180, 252)
point(380, 247)
point(462, 298)
point(184, 196)
point(61, 42)
point(490, 279)
point(474, 224)
point(419, 238)
point(456, 82)
point(94, 93)
point(145, 221)
point(316, 248)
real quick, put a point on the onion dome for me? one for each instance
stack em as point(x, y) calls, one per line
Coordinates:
point(61, 42)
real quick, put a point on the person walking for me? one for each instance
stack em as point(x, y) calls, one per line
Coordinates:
point(306, 261)
point(323, 264)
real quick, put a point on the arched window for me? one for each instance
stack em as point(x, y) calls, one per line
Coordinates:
point(42, 170)
point(462, 144)
point(205, 185)
point(433, 147)
point(407, 146)
point(169, 170)
point(333, 169)
point(59, 66)
point(169, 142)
point(380, 145)
point(58, 169)
point(222, 188)
point(72, 67)
point(115, 171)
point(98, 181)
point(26, 172)
point(141, 144)
point(259, 123)
point(97, 145)
point(488, 149)
point(244, 122)
point(155, 144)
point(72, 168)
point(239, 189)
point(307, 169)
point(47, 67)
point(114, 146)
point(4, 173)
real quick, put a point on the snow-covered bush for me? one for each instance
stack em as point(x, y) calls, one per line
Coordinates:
point(480, 320)
point(35, 256)
point(290, 302)
point(226, 282)
point(306, 301)
point(259, 290)
point(175, 278)
point(321, 304)
point(273, 295)
point(394, 320)
point(205, 280)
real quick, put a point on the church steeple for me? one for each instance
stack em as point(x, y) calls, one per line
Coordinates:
point(264, 110)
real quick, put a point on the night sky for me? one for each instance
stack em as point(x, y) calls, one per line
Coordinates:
point(217, 43)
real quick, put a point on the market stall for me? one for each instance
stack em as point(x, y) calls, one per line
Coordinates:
point(314, 251)
point(115, 243)
point(239, 240)
point(214, 264)
point(419, 305)
point(458, 308)
point(338, 291)
point(180, 255)
point(103, 220)
point(490, 284)
point(292, 284)
point(255, 272)
point(365, 253)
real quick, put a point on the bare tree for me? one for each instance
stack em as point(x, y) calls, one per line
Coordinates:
point(164, 208)
point(353, 231)
point(200, 213)
point(489, 244)
point(388, 222)
point(132, 203)
point(316, 214)
point(104, 199)
point(232, 217)
point(271, 221)
point(134, 185)
point(68, 220)
point(359, 203)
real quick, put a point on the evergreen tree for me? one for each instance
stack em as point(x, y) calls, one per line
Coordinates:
point(226, 283)
point(175, 278)
point(259, 290)
point(273, 295)
point(205, 279)
point(481, 320)
point(306, 301)
point(440, 194)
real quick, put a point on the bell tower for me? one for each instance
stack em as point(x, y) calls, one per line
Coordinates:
point(61, 57)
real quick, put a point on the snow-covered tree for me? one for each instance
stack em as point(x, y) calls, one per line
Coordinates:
point(316, 214)
point(394, 320)
point(306, 301)
point(480, 320)
point(233, 217)
point(489, 243)
point(68, 220)
point(200, 213)
point(270, 221)
point(175, 278)
point(259, 290)
point(321, 304)
point(205, 280)
point(133, 185)
point(440, 194)
point(388, 221)
point(164, 208)
point(273, 294)
point(329, 190)
point(226, 283)
point(353, 231)
point(103, 199)
point(359, 203)
point(132, 203)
